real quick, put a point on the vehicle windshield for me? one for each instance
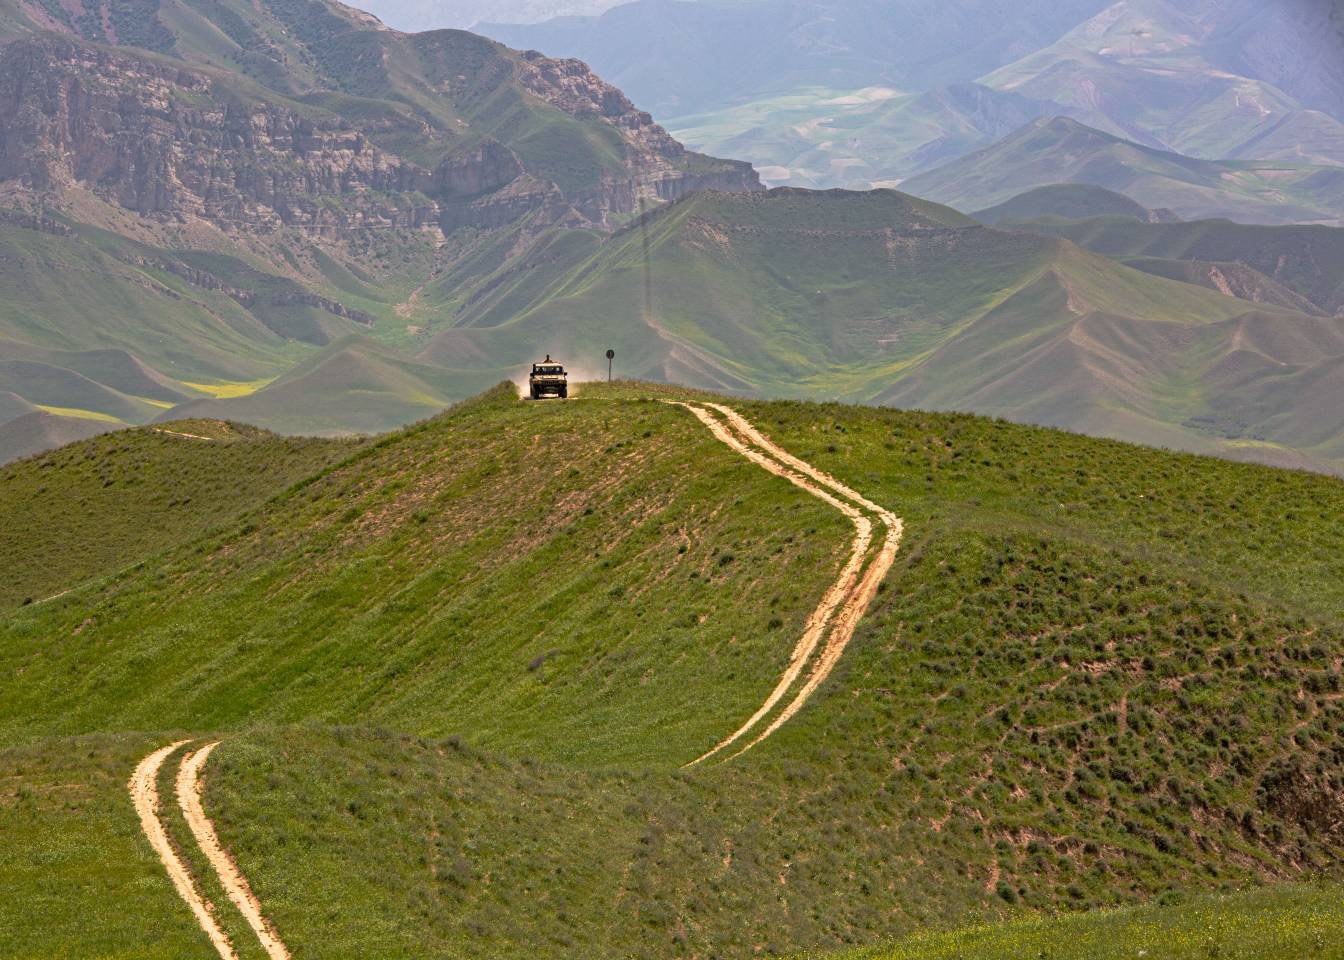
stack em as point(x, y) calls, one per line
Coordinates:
point(550, 369)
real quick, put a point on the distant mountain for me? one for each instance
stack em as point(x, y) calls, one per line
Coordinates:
point(680, 58)
point(873, 137)
point(29, 433)
point(828, 93)
point(1306, 260)
point(417, 15)
point(355, 385)
point(1199, 78)
point(198, 196)
point(878, 297)
point(1061, 150)
point(1069, 201)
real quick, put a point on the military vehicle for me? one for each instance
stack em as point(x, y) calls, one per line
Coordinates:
point(548, 379)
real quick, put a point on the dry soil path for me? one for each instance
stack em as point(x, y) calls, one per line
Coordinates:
point(144, 793)
point(848, 598)
point(179, 433)
point(145, 796)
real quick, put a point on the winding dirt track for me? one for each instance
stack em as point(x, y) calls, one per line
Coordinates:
point(230, 877)
point(851, 593)
point(179, 433)
point(144, 793)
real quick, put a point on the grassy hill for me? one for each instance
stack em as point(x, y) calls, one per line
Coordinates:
point(121, 498)
point(1308, 260)
point(1062, 150)
point(456, 676)
point(1290, 921)
point(1066, 201)
point(865, 296)
point(355, 385)
point(881, 297)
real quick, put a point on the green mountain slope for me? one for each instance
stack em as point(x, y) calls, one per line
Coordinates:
point(25, 434)
point(1307, 260)
point(1067, 201)
point(354, 385)
point(124, 497)
point(1065, 151)
point(879, 297)
point(202, 194)
point(1288, 921)
point(535, 614)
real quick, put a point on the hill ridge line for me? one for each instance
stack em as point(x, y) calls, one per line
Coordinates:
point(850, 594)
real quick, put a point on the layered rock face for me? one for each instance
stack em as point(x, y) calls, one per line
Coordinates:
point(172, 142)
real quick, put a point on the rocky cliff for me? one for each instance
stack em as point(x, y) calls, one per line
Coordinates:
point(174, 141)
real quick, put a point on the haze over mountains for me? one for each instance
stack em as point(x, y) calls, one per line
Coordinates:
point(851, 94)
point(292, 215)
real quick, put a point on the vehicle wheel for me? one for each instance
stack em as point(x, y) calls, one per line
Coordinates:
point(564, 392)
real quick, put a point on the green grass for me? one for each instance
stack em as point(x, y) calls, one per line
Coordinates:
point(1289, 921)
point(123, 496)
point(881, 298)
point(456, 676)
point(80, 877)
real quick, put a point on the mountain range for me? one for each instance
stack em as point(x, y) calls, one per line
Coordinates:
point(304, 220)
point(440, 692)
point(856, 95)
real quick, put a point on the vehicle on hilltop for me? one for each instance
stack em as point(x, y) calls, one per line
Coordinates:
point(548, 379)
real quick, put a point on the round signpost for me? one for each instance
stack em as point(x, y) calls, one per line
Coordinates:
point(611, 354)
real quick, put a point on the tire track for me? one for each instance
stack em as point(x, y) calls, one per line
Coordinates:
point(850, 594)
point(230, 877)
point(145, 796)
point(817, 622)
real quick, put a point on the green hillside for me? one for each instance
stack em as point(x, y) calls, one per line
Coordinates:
point(1061, 150)
point(878, 297)
point(123, 497)
point(456, 675)
point(24, 434)
point(355, 385)
point(1308, 260)
point(1289, 921)
point(1066, 201)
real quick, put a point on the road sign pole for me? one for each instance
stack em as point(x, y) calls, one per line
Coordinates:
point(610, 355)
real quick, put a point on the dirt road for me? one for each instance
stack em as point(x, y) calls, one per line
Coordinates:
point(230, 877)
point(844, 604)
point(144, 793)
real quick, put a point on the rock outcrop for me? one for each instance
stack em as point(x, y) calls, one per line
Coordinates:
point(173, 142)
